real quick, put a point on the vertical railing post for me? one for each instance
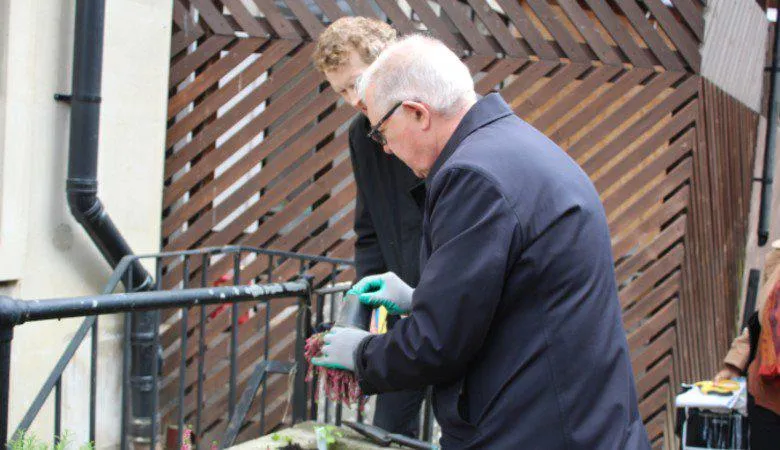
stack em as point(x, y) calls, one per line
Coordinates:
point(6, 335)
point(303, 330)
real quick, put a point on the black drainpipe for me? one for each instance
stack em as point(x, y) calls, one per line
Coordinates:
point(767, 176)
point(87, 208)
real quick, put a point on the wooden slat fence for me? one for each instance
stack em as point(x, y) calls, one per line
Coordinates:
point(257, 155)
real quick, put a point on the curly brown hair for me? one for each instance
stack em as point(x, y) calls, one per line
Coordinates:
point(367, 36)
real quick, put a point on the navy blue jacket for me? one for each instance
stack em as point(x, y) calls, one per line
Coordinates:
point(516, 320)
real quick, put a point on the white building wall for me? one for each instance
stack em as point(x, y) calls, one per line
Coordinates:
point(44, 252)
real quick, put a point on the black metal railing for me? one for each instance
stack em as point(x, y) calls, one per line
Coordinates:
point(185, 280)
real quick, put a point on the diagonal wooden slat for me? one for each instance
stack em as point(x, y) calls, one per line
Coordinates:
point(682, 39)
point(203, 53)
point(245, 19)
point(584, 25)
point(253, 185)
point(525, 79)
point(692, 13)
point(615, 91)
point(330, 9)
point(557, 111)
point(215, 100)
point(213, 73)
point(497, 73)
point(435, 25)
point(213, 17)
point(668, 58)
point(568, 73)
point(280, 25)
point(467, 28)
point(523, 24)
point(361, 8)
point(209, 135)
point(618, 32)
point(569, 45)
point(397, 17)
point(498, 29)
point(306, 18)
point(661, 82)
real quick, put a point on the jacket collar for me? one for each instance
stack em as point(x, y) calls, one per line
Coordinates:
point(487, 109)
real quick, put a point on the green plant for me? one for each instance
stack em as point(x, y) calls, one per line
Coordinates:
point(329, 434)
point(29, 441)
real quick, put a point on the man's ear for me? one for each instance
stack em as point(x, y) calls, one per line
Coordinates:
point(422, 114)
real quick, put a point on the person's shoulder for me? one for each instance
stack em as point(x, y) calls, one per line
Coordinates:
point(359, 126)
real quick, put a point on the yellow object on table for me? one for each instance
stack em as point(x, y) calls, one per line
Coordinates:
point(724, 387)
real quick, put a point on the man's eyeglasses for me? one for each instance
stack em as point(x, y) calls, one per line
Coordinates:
point(374, 132)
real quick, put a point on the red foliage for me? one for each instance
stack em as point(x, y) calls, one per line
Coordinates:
point(340, 385)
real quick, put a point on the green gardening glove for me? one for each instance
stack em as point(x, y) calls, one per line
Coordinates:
point(384, 290)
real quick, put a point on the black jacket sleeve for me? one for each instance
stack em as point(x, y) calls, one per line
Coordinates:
point(471, 230)
point(368, 254)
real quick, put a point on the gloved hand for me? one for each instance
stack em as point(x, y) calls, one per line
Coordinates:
point(384, 290)
point(339, 349)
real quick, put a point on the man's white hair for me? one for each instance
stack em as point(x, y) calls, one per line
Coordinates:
point(421, 69)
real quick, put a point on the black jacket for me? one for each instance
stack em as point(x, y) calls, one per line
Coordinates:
point(516, 320)
point(388, 220)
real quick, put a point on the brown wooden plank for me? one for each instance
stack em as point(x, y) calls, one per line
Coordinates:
point(293, 209)
point(283, 28)
point(467, 28)
point(497, 73)
point(669, 288)
point(183, 18)
point(525, 79)
point(627, 240)
point(361, 8)
point(661, 82)
point(257, 182)
point(634, 291)
point(200, 56)
point(498, 29)
point(209, 135)
point(658, 374)
point(306, 18)
point(646, 175)
point(617, 90)
point(213, 17)
point(681, 38)
point(397, 17)
point(215, 100)
point(584, 25)
point(692, 12)
point(555, 84)
point(245, 19)
point(645, 356)
point(617, 31)
point(552, 114)
point(561, 35)
point(655, 402)
point(331, 9)
point(201, 226)
point(477, 63)
point(213, 73)
point(649, 253)
point(435, 25)
point(683, 119)
point(668, 57)
point(527, 30)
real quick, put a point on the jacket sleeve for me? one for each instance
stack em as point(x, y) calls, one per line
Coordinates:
point(739, 352)
point(368, 254)
point(472, 230)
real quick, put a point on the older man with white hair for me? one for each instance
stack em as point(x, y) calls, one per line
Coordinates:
point(516, 320)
